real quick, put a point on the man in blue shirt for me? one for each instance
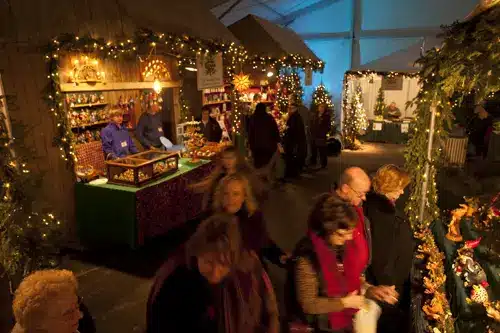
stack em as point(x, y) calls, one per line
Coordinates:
point(150, 127)
point(116, 142)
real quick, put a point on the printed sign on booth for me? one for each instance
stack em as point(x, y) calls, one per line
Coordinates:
point(210, 72)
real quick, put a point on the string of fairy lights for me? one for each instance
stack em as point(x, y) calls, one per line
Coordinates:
point(184, 48)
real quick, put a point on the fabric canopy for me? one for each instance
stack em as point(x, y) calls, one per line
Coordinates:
point(260, 36)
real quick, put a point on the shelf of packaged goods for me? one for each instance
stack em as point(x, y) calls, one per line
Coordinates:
point(217, 102)
point(99, 123)
point(87, 105)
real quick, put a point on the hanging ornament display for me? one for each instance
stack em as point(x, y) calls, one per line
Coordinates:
point(156, 70)
point(242, 82)
point(85, 70)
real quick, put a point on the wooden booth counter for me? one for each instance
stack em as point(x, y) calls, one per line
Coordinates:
point(387, 132)
point(123, 215)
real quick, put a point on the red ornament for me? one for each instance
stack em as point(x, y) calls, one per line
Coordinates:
point(485, 284)
point(472, 244)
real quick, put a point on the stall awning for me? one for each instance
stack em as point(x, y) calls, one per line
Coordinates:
point(260, 36)
point(39, 21)
point(402, 60)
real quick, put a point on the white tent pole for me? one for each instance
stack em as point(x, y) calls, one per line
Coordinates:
point(425, 183)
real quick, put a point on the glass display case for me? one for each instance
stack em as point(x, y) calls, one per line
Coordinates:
point(142, 168)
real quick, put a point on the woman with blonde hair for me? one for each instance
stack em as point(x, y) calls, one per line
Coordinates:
point(234, 196)
point(47, 301)
point(228, 162)
point(215, 286)
point(392, 244)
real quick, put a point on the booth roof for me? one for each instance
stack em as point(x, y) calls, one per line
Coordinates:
point(260, 36)
point(401, 61)
point(29, 21)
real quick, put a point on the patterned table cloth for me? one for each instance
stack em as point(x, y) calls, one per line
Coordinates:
point(121, 215)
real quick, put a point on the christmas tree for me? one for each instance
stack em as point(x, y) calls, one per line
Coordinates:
point(355, 119)
point(322, 96)
point(289, 90)
point(27, 238)
point(380, 103)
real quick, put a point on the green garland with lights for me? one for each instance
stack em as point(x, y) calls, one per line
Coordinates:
point(27, 239)
point(467, 63)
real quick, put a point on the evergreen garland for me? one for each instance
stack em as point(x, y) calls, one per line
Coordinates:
point(380, 103)
point(27, 239)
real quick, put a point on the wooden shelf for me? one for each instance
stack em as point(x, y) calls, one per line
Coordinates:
point(99, 123)
point(109, 86)
point(88, 105)
point(218, 102)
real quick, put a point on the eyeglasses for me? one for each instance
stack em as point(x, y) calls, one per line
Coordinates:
point(361, 195)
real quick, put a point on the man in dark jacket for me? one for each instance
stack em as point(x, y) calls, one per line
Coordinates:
point(295, 144)
point(209, 127)
point(150, 127)
point(320, 127)
point(263, 136)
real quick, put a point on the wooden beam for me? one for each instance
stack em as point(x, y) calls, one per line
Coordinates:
point(71, 87)
point(290, 17)
point(387, 33)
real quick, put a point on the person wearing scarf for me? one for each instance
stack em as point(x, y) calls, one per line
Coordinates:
point(392, 245)
point(234, 196)
point(213, 285)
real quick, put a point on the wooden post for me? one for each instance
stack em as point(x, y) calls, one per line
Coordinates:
point(425, 183)
point(5, 115)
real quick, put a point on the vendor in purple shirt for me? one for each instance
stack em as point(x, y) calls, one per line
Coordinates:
point(116, 142)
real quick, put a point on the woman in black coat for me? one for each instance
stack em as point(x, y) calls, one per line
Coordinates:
point(294, 143)
point(320, 127)
point(392, 245)
point(263, 136)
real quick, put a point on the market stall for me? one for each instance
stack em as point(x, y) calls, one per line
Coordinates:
point(86, 58)
point(375, 107)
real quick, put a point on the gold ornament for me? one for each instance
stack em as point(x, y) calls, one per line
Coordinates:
point(156, 70)
point(242, 82)
point(85, 70)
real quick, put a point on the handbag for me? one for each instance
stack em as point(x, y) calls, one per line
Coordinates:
point(365, 320)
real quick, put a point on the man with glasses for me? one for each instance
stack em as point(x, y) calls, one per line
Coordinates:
point(353, 187)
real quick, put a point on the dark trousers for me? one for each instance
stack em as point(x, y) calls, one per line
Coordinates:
point(293, 164)
point(322, 151)
point(261, 158)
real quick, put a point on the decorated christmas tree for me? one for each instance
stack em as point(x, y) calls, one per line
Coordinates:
point(27, 239)
point(322, 96)
point(355, 119)
point(289, 89)
point(380, 103)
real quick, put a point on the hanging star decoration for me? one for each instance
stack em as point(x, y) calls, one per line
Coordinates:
point(242, 82)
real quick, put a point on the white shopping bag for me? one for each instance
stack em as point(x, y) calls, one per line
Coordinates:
point(365, 320)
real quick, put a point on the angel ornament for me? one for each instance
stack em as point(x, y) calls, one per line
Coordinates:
point(454, 233)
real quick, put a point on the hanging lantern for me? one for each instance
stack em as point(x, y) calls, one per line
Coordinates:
point(157, 86)
point(242, 82)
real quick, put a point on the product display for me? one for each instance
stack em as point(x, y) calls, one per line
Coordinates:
point(139, 169)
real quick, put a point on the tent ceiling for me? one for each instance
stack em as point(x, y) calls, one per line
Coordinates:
point(39, 21)
point(261, 36)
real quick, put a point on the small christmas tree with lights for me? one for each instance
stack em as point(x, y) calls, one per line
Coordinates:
point(380, 103)
point(355, 119)
point(322, 96)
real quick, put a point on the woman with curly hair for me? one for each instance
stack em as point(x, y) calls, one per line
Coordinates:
point(392, 244)
point(329, 262)
point(234, 196)
point(216, 286)
point(228, 162)
point(47, 301)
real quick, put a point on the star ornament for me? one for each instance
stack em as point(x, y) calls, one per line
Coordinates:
point(242, 82)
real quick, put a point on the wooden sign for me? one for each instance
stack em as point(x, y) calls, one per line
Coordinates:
point(210, 72)
point(392, 83)
point(308, 76)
